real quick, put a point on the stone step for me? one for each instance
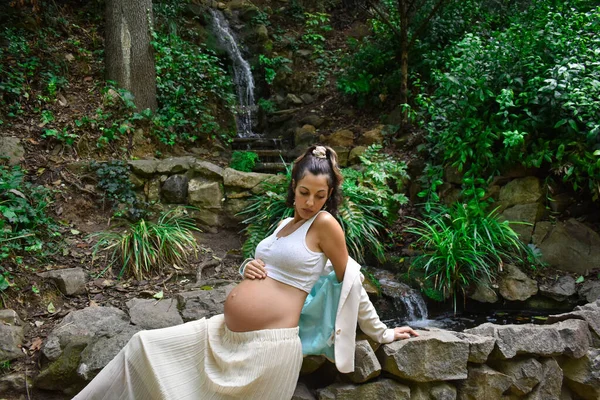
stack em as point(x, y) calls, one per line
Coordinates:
point(269, 168)
point(252, 143)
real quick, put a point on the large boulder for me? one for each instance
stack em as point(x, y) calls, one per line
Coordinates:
point(69, 280)
point(203, 303)
point(154, 314)
point(11, 338)
point(175, 165)
point(374, 136)
point(381, 389)
point(11, 148)
point(525, 216)
point(582, 375)
point(568, 246)
point(432, 356)
point(342, 138)
point(521, 191)
point(207, 169)
point(590, 313)
point(175, 189)
point(143, 168)
point(205, 194)
point(513, 284)
point(483, 293)
point(243, 180)
point(570, 338)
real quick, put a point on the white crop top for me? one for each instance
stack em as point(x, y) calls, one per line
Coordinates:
point(289, 260)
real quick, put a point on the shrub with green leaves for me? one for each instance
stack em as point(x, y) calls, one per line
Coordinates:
point(144, 248)
point(370, 202)
point(243, 160)
point(25, 226)
point(274, 65)
point(463, 245)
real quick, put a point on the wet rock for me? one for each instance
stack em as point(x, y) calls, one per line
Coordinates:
point(432, 356)
point(570, 338)
point(11, 148)
point(70, 281)
point(483, 382)
point(521, 191)
point(175, 189)
point(515, 285)
point(582, 375)
point(568, 246)
point(366, 365)
point(560, 289)
point(381, 389)
point(154, 314)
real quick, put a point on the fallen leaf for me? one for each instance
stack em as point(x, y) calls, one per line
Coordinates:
point(580, 279)
point(159, 295)
point(177, 267)
point(75, 232)
point(37, 344)
point(33, 141)
point(93, 304)
point(38, 323)
point(51, 308)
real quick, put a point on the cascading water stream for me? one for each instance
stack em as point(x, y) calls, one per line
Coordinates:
point(242, 75)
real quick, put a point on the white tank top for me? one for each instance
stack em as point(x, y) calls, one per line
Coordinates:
point(289, 260)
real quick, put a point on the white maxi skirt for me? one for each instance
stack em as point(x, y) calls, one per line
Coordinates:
point(202, 360)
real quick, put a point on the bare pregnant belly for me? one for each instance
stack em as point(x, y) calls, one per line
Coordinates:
point(263, 304)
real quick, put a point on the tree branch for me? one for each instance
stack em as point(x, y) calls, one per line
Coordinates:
point(384, 18)
point(424, 24)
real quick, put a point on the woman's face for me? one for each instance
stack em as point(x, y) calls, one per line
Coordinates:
point(310, 194)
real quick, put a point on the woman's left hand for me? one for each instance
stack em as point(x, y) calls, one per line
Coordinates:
point(404, 332)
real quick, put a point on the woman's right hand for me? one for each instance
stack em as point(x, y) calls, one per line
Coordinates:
point(255, 269)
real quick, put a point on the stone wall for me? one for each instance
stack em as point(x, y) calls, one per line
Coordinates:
point(219, 194)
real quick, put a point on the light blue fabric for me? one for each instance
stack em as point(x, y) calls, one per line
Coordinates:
point(317, 319)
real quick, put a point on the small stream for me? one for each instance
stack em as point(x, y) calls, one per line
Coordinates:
point(242, 74)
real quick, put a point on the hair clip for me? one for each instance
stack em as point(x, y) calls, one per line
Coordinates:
point(320, 152)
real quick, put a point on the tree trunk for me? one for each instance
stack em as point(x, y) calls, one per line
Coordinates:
point(129, 55)
point(403, 9)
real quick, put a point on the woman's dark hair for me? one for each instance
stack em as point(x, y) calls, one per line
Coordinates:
point(328, 166)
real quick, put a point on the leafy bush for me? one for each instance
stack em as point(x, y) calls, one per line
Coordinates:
point(527, 95)
point(268, 106)
point(191, 84)
point(463, 245)
point(243, 160)
point(144, 248)
point(273, 66)
point(369, 204)
point(113, 180)
point(25, 226)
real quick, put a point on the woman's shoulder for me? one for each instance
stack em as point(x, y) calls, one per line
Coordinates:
point(326, 221)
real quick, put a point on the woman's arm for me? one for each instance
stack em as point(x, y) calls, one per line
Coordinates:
point(333, 243)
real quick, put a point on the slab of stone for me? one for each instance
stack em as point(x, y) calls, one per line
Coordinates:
point(175, 165)
point(525, 216)
point(243, 180)
point(433, 391)
point(525, 372)
point(302, 393)
point(568, 246)
point(432, 356)
point(551, 385)
point(341, 138)
point(570, 338)
point(154, 314)
point(11, 338)
point(373, 136)
point(483, 382)
point(381, 389)
point(207, 170)
point(559, 290)
point(10, 317)
point(205, 194)
point(590, 291)
point(203, 303)
point(143, 168)
point(366, 365)
point(513, 284)
point(521, 191)
point(11, 148)
point(175, 189)
point(590, 313)
point(480, 347)
point(70, 281)
point(582, 375)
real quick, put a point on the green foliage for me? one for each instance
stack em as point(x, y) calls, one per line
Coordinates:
point(274, 65)
point(113, 181)
point(243, 160)
point(268, 106)
point(527, 95)
point(25, 227)
point(369, 203)
point(316, 27)
point(463, 245)
point(144, 248)
point(261, 18)
point(191, 83)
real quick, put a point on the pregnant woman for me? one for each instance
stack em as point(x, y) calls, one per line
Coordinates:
point(253, 350)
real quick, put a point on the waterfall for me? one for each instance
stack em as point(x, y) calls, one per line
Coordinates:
point(242, 75)
point(413, 304)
